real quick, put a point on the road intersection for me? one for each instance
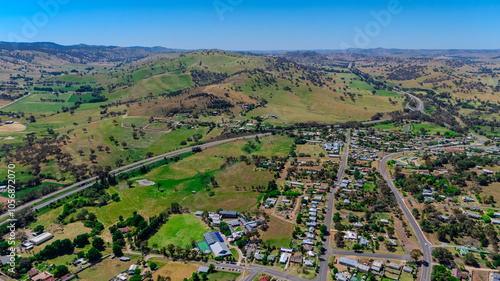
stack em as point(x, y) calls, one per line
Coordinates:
point(256, 269)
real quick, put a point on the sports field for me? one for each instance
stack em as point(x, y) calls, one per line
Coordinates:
point(179, 230)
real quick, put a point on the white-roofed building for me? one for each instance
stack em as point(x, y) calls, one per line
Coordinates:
point(220, 249)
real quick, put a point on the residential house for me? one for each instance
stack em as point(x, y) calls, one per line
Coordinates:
point(473, 215)
point(42, 276)
point(341, 277)
point(350, 235)
point(203, 269)
point(348, 262)
point(377, 266)
point(408, 269)
point(259, 256)
point(124, 229)
point(308, 263)
point(284, 258)
point(363, 268)
point(394, 266)
point(296, 259)
point(457, 273)
point(33, 272)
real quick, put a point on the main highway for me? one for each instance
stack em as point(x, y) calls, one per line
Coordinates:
point(81, 185)
point(255, 270)
point(426, 245)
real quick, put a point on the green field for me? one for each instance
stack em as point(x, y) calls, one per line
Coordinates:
point(33, 103)
point(179, 230)
point(416, 127)
point(223, 276)
point(179, 179)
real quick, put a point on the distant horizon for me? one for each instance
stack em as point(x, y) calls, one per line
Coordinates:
point(257, 25)
point(237, 50)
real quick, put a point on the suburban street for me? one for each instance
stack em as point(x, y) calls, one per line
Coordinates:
point(325, 258)
point(426, 245)
point(255, 270)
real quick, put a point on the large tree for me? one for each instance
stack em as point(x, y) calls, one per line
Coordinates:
point(416, 254)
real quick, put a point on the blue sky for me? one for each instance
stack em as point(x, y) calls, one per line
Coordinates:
point(256, 24)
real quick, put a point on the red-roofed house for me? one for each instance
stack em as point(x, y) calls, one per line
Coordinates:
point(43, 276)
point(124, 229)
point(264, 278)
point(454, 150)
point(33, 272)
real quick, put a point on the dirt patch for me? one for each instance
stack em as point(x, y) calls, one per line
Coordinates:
point(480, 275)
point(176, 270)
point(122, 185)
point(408, 243)
point(146, 182)
point(9, 128)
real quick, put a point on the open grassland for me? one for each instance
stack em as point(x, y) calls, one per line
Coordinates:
point(301, 271)
point(279, 233)
point(187, 182)
point(268, 146)
point(105, 270)
point(223, 276)
point(313, 149)
point(90, 131)
point(416, 128)
point(177, 270)
point(319, 104)
point(91, 136)
point(179, 230)
point(131, 121)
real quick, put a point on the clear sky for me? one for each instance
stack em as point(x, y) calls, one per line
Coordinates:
point(256, 24)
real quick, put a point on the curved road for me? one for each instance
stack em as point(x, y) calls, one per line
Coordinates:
point(255, 270)
point(420, 104)
point(426, 245)
point(420, 107)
